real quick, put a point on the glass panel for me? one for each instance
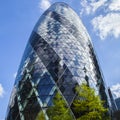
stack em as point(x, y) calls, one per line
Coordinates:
point(32, 108)
point(13, 113)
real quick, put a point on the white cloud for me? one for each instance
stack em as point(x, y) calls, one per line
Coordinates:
point(85, 7)
point(1, 90)
point(96, 5)
point(114, 5)
point(107, 25)
point(44, 4)
point(91, 6)
point(108, 21)
point(116, 90)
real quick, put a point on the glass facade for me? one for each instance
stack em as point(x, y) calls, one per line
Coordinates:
point(59, 55)
point(113, 103)
point(117, 100)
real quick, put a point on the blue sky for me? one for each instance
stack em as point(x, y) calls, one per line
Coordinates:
point(17, 19)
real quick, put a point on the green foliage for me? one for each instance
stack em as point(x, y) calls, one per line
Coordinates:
point(59, 111)
point(40, 116)
point(87, 105)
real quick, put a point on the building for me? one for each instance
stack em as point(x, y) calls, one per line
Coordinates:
point(117, 100)
point(116, 113)
point(112, 101)
point(59, 55)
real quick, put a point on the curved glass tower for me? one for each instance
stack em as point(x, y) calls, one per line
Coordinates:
point(59, 55)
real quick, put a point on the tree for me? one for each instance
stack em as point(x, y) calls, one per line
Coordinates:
point(87, 105)
point(40, 116)
point(59, 110)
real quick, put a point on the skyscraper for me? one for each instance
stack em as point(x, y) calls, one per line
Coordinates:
point(117, 100)
point(113, 103)
point(59, 55)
